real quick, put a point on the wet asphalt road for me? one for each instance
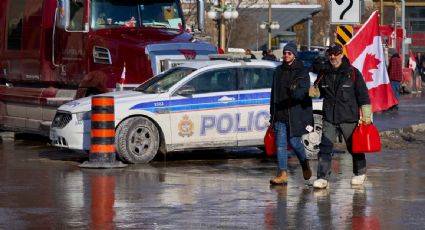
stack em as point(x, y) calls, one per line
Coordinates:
point(43, 188)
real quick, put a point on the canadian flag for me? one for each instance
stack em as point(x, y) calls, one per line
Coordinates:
point(122, 79)
point(412, 60)
point(366, 53)
point(121, 82)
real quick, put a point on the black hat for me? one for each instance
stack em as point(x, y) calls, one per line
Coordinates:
point(335, 48)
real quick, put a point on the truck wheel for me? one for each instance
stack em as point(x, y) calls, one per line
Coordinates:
point(137, 140)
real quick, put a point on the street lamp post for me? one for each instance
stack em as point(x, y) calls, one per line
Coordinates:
point(270, 25)
point(269, 37)
point(221, 13)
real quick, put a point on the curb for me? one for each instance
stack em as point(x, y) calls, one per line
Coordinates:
point(409, 129)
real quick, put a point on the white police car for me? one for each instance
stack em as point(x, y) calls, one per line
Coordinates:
point(198, 105)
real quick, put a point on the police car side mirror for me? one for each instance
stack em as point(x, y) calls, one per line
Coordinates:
point(186, 90)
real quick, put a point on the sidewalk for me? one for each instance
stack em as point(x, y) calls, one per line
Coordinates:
point(410, 116)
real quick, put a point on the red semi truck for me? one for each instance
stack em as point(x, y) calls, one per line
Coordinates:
point(54, 51)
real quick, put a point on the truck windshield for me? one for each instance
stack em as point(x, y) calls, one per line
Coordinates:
point(136, 13)
point(162, 82)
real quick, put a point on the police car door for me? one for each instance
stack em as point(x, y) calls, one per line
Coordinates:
point(254, 103)
point(206, 118)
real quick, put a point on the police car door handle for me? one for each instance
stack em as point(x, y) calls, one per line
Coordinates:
point(226, 99)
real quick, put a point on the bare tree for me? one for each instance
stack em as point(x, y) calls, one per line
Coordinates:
point(243, 32)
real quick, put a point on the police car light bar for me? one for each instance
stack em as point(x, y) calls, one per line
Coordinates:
point(230, 57)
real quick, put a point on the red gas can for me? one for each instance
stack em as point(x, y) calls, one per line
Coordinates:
point(270, 142)
point(366, 139)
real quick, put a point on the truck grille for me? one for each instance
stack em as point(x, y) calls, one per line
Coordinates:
point(61, 119)
point(101, 55)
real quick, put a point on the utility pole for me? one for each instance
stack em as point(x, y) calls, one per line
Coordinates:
point(222, 32)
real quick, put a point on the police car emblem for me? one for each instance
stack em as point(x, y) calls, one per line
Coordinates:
point(185, 127)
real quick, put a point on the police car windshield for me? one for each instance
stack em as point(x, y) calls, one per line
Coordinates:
point(162, 82)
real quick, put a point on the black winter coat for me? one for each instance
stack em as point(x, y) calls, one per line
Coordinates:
point(342, 95)
point(293, 97)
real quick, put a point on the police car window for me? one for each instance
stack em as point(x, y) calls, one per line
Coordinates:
point(161, 83)
point(219, 80)
point(256, 78)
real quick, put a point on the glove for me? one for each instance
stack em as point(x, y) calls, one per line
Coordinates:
point(366, 114)
point(313, 91)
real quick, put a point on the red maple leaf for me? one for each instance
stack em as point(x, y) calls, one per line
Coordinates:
point(370, 63)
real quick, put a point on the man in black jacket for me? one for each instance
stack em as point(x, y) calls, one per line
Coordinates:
point(291, 111)
point(344, 91)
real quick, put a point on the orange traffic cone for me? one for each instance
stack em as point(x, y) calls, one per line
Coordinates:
point(102, 148)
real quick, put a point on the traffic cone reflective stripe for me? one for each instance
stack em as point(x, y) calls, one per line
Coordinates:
point(103, 101)
point(102, 133)
point(103, 117)
point(97, 149)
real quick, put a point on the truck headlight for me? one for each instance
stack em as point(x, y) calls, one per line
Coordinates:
point(82, 116)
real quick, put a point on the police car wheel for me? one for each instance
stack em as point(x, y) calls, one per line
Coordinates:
point(137, 140)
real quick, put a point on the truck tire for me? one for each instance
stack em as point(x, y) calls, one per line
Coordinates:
point(137, 140)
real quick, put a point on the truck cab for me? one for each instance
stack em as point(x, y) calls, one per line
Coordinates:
point(55, 51)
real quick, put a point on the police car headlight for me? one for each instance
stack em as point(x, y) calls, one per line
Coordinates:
point(82, 116)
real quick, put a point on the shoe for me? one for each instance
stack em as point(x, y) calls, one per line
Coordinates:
point(306, 170)
point(320, 183)
point(358, 180)
point(281, 178)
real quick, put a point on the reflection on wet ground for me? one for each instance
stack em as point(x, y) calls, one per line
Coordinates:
point(42, 186)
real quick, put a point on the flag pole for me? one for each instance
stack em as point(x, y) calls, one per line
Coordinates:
point(403, 27)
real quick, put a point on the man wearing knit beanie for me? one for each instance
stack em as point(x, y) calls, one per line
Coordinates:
point(291, 47)
point(291, 113)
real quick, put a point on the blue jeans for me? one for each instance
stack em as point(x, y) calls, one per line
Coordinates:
point(395, 85)
point(281, 129)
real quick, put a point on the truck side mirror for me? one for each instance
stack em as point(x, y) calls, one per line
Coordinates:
point(73, 15)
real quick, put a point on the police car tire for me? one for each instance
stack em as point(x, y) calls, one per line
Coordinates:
point(132, 149)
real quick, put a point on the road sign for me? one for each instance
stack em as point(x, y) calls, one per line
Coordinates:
point(345, 11)
point(343, 34)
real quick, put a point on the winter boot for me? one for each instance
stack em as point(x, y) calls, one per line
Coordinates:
point(281, 178)
point(306, 169)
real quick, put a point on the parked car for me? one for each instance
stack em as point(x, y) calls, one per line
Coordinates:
point(197, 105)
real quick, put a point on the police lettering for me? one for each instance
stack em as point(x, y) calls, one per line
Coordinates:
point(226, 123)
